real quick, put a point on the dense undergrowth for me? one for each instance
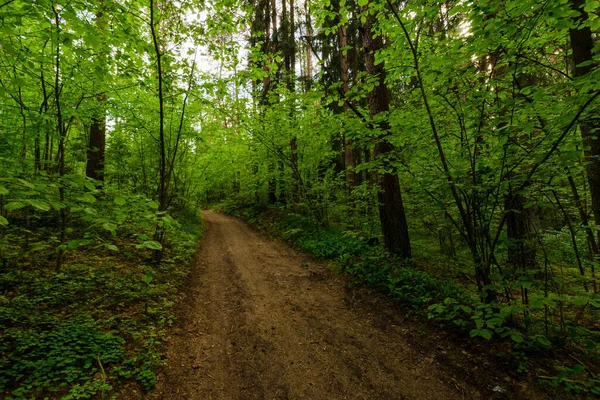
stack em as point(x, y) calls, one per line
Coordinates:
point(98, 322)
point(525, 336)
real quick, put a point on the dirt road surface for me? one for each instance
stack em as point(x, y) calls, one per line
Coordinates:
point(262, 321)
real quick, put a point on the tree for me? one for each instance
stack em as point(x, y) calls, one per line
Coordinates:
point(97, 142)
point(582, 44)
point(391, 207)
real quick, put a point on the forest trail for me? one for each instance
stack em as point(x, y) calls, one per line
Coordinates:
point(262, 321)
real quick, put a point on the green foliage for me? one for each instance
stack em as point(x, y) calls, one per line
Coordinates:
point(100, 320)
point(574, 380)
point(485, 117)
point(67, 354)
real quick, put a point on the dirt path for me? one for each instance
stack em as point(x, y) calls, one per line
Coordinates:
point(262, 321)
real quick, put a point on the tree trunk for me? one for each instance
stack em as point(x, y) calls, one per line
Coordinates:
point(521, 225)
point(292, 45)
point(290, 55)
point(344, 68)
point(391, 207)
point(95, 155)
point(308, 49)
point(582, 44)
point(162, 186)
point(61, 144)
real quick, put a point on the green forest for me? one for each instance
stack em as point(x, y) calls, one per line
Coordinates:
point(445, 153)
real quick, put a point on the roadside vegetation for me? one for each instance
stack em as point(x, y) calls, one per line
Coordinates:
point(99, 321)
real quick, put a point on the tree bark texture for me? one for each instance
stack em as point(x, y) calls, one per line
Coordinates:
point(97, 144)
point(391, 208)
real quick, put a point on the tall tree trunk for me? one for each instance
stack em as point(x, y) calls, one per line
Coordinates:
point(61, 143)
point(42, 122)
point(24, 134)
point(292, 44)
point(270, 26)
point(290, 50)
point(95, 155)
point(391, 207)
point(582, 43)
point(163, 176)
point(273, 17)
point(308, 49)
point(344, 74)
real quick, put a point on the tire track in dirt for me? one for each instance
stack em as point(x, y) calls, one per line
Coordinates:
point(262, 321)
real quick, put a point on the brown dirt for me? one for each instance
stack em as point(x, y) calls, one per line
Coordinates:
point(262, 321)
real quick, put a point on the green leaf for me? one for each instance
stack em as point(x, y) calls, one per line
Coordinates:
point(494, 322)
point(150, 244)
point(362, 3)
point(120, 201)
point(14, 205)
point(57, 205)
point(90, 211)
point(90, 186)
point(506, 311)
point(40, 205)
point(3, 221)
point(73, 244)
point(109, 226)
point(543, 340)
point(591, 6)
point(26, 184)
point(580, 300)
point(577, 369)
point(516, 337)
point(485, 333)
point(112, 247)
point(88, 198)
point(147, 278)
point(3, 190)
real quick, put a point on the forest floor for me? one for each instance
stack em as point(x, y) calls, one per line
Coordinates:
point(260, 320)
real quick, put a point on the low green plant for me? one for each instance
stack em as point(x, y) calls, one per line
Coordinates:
point(82, 330)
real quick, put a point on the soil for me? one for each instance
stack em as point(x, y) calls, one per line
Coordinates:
point(260, 320)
